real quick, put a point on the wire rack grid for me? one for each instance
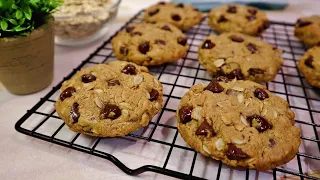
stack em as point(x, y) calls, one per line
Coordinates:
point(158, 147)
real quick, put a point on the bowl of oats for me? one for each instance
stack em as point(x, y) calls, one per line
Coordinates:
point(79, 22)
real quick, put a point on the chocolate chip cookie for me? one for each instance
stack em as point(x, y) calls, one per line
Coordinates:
point(109, 100)
point(238, 122)
point(150, 44)
point(309, 66)
point(238, 18)
point(183, 16)
point(240, 56)
point(307, 29)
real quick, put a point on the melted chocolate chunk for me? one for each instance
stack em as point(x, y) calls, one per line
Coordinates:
point(124, 50)
point(129, 69)
point(237, 73)
point(214, 86)
point(159, 41)
point(166, 27)
point(205, 129)
point(154, 94)
point(252, 48)
point(87, 78)
point(259, 123)
point(137, 33)
point(223, 79)
point(129, 29)
point(261, 94)
point(185, 114)
point(254, 71)
point(308, 62)
point(235, 153)
point(272, 142)
point(208, 44)
point(237, 39)
point(67, 93)
point(176, 17)
point(251, 18)
point(144, 47)
point(252, 11)
point(301, 23)
point(182, 41)
point(110, 111)
point(74, 112)
point(113, 82)
point(180, 5)
point(222, 19)
point(232, 9)
point(153, 12)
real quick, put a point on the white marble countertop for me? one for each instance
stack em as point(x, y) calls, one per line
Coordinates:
point(24, 157)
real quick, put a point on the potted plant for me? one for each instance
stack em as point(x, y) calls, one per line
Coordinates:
point(26, 44)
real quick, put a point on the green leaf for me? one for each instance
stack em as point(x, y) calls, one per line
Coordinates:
point(14, 6)
point(19, 28)
point(13, 21)
point(19, 14)
point(4, 25)
point(21, 21)
point(27, 11)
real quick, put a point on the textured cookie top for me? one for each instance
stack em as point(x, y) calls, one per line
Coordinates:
point(241, 56)
point(309, 65)
point(307, 29)
point(110, 99)
point(238, 122)
point(150, 44)
point(183, 16)
point(238, 18)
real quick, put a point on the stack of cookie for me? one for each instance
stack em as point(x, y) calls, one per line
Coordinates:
point(232, 119)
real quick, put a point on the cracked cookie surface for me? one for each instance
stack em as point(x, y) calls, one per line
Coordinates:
point(109, 100)
point(183, 16)
point(241, 56)
point(309, 66)
point(150, 44)
point(238, 18)
point(307, 29)
point(238, 122)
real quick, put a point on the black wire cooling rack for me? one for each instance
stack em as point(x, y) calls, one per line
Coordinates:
point(158, 147)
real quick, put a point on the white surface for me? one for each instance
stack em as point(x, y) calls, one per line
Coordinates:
point(24, 157)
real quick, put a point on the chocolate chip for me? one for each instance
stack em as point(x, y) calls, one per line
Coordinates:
point(153, 12)
point(159, 41)
point(221, 19)
point(67, 93)
point(130, 29)
point(237, 73)
point(251, 18)
point(162, 3)
point(234, 153)
point(182, 41)
point(176, 17)
point(124, 50)
point(87, 78)
point(259, 123)
point(154, 94)
point(196, 9)
point(113, 82)
point(272, 142)
point(264, 26)
point(308, 62)
point(232, 9)
point(274, 48)
point(214, 86)
point(166, 27)
point(252, 48)
point(180, 5)
point(318, 44)
point(301, 23)
point(254, 71)
point(144, 47)
point(110, 111)
point(74, 112)
point(237, 39)
point(137, 33)
point(205, 129)
point(223, 79)
point(208, 44)
point(261, 94)
point(185, 114)
point(252, 11)
point(129, 69)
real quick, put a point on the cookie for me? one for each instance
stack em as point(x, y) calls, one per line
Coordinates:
point(307, 29)
point(183, 16)
point(150, 44)
point(238, 18)
point(238, 122)
point(309, 66)
point(241, 56)
point(109, 100)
